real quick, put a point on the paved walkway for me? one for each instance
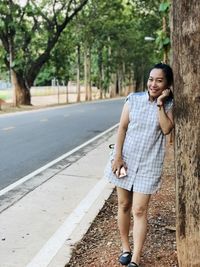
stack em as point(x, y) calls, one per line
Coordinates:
point(40, 226)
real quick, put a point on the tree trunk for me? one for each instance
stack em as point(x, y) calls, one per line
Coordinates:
point(21, 92)
point(119, 81)
point(113, 85)
point(78, 74)
point(131, 87)
point(103, 89)
point(165, 50)
point(86, 74)
point(89, 75)
point(100, 72)
point(186, 65)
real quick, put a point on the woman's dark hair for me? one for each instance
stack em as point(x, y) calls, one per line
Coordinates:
point(168, 74)
point(167, 71)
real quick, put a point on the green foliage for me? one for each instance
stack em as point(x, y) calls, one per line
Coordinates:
point(113, 31)
point(162, 39)
point(163, 34)
point(164, 6)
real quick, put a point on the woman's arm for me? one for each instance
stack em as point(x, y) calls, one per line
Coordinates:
point(123, 125)
point(165, 120)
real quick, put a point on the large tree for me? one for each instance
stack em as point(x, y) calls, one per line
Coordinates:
point(28, 34)
point(186, 64)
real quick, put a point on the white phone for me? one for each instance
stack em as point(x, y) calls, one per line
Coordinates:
point(122, 172)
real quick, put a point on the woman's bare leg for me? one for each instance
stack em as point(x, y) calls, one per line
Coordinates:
point(140, 208)
point(124, 216)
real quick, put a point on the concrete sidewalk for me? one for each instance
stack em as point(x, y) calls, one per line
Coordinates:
point(42, 219)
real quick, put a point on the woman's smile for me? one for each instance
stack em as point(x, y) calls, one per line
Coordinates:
point(156, 82)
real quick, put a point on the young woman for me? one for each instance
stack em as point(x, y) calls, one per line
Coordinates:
point(136, 165)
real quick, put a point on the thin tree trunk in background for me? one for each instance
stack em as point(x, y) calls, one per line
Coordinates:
point(113, 85)
point(67, 92)
point(117, 83)
point(103, 79)
point(86, 73)
point(165, 52)
point(78, 74)
point(186, 65)
point(12, 74)
point(123, 92)
point(113, 76)
point(131, 87)
point(100, 67)
point(133, 82)
point(129, 84)
point(89, 75)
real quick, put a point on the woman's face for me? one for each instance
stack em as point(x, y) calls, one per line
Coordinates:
point(156, 83)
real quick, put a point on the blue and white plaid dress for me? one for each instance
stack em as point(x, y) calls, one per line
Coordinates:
point(144, 147)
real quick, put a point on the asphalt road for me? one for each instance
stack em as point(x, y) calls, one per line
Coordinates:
point(30, 140)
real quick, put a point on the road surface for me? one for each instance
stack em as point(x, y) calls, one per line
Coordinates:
point(32, 139)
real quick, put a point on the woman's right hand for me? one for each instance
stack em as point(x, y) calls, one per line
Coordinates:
point(117, 164)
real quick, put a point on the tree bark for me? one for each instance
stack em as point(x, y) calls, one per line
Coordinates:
point(22, 93)
point(186, 65)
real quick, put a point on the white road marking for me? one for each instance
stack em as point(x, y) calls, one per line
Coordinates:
point(43, 120)
point(48, 165)
point(52, 246)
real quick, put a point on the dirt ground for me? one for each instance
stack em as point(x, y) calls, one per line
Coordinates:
point(101, 244)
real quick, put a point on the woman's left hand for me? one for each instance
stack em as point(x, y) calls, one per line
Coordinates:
point(163, 96)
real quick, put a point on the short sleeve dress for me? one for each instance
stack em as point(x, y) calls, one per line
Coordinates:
point(143, 148)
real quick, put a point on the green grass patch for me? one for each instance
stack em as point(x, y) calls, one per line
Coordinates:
point(5, 94)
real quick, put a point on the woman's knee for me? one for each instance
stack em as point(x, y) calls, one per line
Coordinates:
point(139, 211)
point(124, 200)
point(140, 204)
point(125, 205)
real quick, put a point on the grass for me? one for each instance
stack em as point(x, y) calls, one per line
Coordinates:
point(5, 94)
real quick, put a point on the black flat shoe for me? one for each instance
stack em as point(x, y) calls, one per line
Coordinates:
point(133, 264)
point(125, 258)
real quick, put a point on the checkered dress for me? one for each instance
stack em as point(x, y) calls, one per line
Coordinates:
point(143, 148)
